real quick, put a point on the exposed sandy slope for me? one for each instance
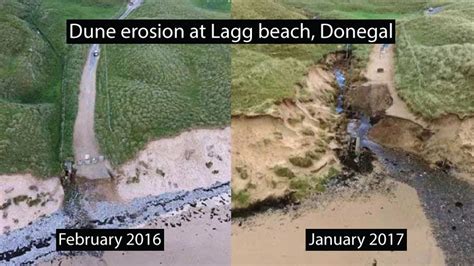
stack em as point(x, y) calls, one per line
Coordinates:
point(45, 196)
point(278, 239)
point(385, 60)
point(399, 133)
point(451, 139)
point(262, 142)
point(196, 158)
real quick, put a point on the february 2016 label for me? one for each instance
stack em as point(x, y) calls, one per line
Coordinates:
point(110, 239)
point(356, 239)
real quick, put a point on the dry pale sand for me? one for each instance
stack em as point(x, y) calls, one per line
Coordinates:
point(453, 140)
point(34, 191)
point(197, 158)
point(278, 239)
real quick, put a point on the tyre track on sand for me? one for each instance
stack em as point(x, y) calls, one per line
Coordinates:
point(89, 162)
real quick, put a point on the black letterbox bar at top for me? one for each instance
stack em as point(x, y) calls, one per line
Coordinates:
point(313, 25)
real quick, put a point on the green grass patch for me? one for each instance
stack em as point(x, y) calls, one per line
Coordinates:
point(147, 92)
point(220, 5)
point(304, 186)
point(25, 138)
point(283, 172)
point(435, 67)
point(300, 188)
point(303, 162)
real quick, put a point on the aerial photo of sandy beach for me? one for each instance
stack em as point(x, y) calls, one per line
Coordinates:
point(112, 136)
point(355, 135)
point(233, 148)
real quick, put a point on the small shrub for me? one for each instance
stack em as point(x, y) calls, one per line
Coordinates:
point(283, 172)
point(303, 162)
point(19, 199)
point(251, 185)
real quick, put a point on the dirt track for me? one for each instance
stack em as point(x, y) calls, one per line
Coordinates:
point(86, 147)
point(85, 142)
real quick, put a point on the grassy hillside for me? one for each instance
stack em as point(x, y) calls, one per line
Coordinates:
point(39, 76)
point(151, 91)
point(264, 74)
point(435, 63)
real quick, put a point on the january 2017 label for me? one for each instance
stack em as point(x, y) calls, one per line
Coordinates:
point(356, 239)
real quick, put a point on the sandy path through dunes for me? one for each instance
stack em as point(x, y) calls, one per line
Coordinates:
point(86, 147)
point(278, 239)
point(85, 142)
point(385, 59)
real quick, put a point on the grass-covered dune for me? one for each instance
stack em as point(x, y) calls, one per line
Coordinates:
point(39, 77)
point(435, 61)
point(146, 92)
